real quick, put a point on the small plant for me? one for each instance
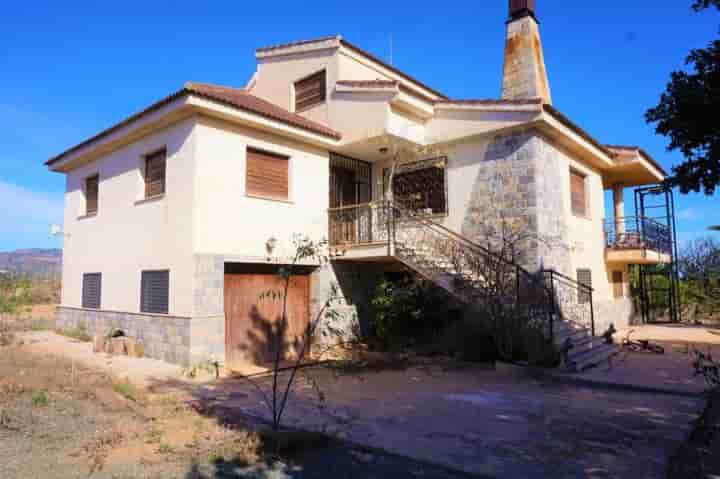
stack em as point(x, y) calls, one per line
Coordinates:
point(79, 334)
point(4, 419)
point(165, 448)
point(153, 436)
point(39, 398)
point(710, 369)
point(126, 389)
point(211, 367)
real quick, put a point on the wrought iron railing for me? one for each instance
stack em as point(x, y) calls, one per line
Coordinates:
point(637, 232)
point(358, 224)
point(466, 269)
point(572, 300)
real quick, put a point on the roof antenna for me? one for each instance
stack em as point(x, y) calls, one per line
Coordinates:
point(391, 50)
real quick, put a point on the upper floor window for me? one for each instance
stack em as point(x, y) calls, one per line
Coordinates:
point(267, 175)
point(155, 174)
point(578, 193)
point(92, 187)
point(420, 186)
point(310, 91)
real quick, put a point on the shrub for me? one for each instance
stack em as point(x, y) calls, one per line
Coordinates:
point(165, 448)
point(126, 389)
point(78, 333)
point(410, 312)
point(39, 398)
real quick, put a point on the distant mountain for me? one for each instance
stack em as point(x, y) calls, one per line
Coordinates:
point(36, 263)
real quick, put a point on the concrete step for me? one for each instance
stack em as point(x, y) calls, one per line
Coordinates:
point(593, 356)
point(573, 335)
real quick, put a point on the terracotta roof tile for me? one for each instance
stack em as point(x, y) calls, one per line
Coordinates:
point(240, 98)
point(641, 152)
point(577, 129)
point(234, 97)
point(529, 101)
point(296, 43)
point(366, 54)
point(368, 83)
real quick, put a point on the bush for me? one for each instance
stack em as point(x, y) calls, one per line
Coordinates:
point(77, 333)
point(126, 389)
point(410, 312)
point(39, 398)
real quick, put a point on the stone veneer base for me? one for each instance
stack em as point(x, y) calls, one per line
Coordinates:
point(175, 339)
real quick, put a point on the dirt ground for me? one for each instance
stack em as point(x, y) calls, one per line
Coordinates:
point(61, 419)
point(482, 421)
point(433, 417)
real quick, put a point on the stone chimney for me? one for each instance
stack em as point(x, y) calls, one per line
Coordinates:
point(524, 74)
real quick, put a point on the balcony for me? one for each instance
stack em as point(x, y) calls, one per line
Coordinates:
point(637, 240)
point(360, 232)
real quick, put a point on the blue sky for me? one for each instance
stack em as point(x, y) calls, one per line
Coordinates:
point(70, 69)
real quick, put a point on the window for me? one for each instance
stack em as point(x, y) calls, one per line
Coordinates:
point(578, 193)
point(617, 280)
point(420, 186)
point(154, 291)
point(267, 175)
point(584, 276)
point(310, 91)
point(155, 174)
point(91, 290)
point(92, 186)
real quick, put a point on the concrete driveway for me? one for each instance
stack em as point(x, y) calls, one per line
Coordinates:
point(482, 421)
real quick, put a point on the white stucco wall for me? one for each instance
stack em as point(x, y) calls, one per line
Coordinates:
point(586, 234)
point(128, 236)
point(276, 76)
point(230, 223)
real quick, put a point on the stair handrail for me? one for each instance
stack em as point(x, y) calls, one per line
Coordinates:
point(520, 270)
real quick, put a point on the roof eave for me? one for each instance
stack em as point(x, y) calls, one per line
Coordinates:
point(173, 108)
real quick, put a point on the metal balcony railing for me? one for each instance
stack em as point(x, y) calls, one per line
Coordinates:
point(637, 232)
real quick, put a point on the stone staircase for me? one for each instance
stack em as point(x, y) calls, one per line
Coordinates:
point(468, 271)
point(584, 350)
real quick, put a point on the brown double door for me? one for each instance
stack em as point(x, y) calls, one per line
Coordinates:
point(252, 323)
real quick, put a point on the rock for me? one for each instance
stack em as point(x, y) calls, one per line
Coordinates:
point(99, 345)
point(135, 349)
point(118, 346)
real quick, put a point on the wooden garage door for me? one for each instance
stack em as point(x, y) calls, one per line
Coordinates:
point(252, 324)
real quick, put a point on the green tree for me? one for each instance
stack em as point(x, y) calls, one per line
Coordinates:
point(687, 114)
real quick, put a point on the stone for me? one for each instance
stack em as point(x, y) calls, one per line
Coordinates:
point(135, 348)
point(118, 346)
point(99, 345)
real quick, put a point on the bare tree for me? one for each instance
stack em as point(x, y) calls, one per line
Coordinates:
point(305, 251)
point(700, 262)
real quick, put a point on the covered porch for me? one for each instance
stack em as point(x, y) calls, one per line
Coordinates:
point(360, 220)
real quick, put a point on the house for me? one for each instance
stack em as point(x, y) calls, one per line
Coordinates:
point(169, 213)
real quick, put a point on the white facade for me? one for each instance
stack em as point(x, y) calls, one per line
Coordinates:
point(374, 109)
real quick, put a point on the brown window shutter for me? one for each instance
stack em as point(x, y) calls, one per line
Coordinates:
point(578, 193)
point(267, 175)
point(584, 276)
point(155, 174)
point(310, 91)
point(154, 291)
point(617, 279)
point(91, 290)
point(92, 187)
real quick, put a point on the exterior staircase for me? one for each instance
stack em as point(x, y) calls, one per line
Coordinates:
point(474, 274)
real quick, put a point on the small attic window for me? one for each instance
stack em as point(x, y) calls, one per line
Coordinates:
point(310, 91)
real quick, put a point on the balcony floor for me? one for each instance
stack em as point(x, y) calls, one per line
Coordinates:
point(636, 256)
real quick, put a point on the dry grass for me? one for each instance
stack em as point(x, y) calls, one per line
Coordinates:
point(101, 424)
